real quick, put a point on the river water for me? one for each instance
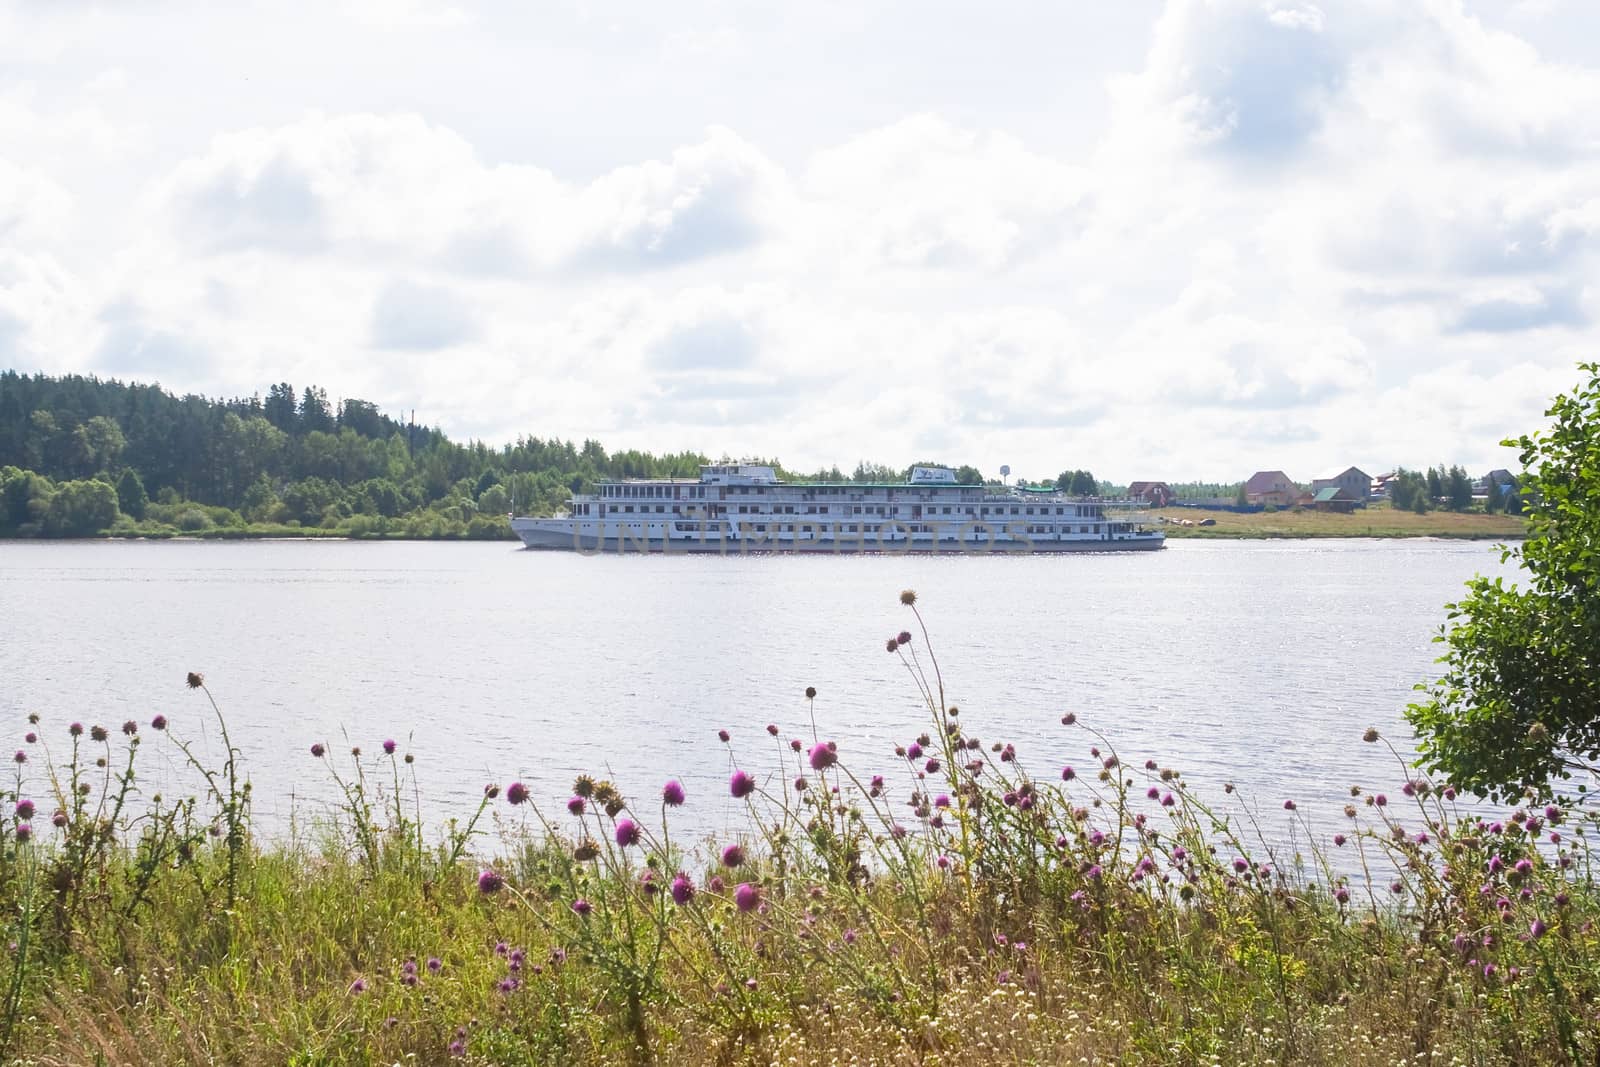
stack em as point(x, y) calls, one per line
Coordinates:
point(1255, 662)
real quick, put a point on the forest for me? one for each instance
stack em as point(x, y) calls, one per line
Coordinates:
point(81, 456)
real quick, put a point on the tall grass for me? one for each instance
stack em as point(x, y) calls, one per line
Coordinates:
point(960, 902)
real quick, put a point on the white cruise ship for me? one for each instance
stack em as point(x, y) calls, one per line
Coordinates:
point(744, 508)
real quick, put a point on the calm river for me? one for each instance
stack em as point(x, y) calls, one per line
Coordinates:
point(1257, 662)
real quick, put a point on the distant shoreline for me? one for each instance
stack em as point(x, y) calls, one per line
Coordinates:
point(1380, 522)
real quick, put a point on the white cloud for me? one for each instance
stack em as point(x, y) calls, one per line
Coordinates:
point(1308, 235)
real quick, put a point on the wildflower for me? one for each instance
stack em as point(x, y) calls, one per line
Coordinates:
point(672, 793)
point(850, 935)
point(741, 784)
point(575, 805)
point(1342, 895)
point(130, 727)
point(908, 597)
point(24, 809)
point(941, 801)
point(903, 637)
point(1153, 793)
point(1168, 800)
point(932, 766)
point(98, 733)
point(800, 783)
point(31, 737)
point(388, 747)
point(811, 692)
point(627, 832)
point(1338, 839)
point(21, 756)
point(1008, 754)
point(435, 965)
point(892, 646)
point(746, 897)
point(1094, 871)
point(913, 751)
point(491, 791)
point(1552, 814)
point(490, 881)
point(24, 833)
point(732, 856)
point(458, 1048)
point(501, 948)
point(360, 984)
point(355, 750)
point(723, 736)
point(1240, 866)
point(823, 756)
point(317, 750)
point(794, 745)
point(517, 793)
point(1288, 805)
point(772, 729)
point(583, 786)
point(1380, 800)
point(1068, 774)
point(1371, 735)
point(158, 723)
point(876, 785)
point(585, 851)
point(1069, 718)
point(582, 908)
point(507, 985)
point(682, 889)
point(76, 729)
point(58, 820)
point(1449, 792)
point(1408, 790)
point(1524, 866)
point(716, 885)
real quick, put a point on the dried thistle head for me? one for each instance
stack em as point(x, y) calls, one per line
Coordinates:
point(585, 851)
point(908, 597)
point(195, 679)
point(584, 786)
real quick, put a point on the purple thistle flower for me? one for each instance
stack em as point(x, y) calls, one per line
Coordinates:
point(822, 756)
point(772, 728)
point(903, 637)
point(1153, 793)
point(458, 1048)
point(1537, 929)
point(1524, 866)
point(58, 820)
point(1069, 718)
point(491, 790)
point(682, 889)
point(1338, 839)
point(876, 785)
point(1068, 774)
point(723, 736)
point(158, 723)
point(582, 908)
point(130, 727)
point(746, 897)
point(716, 885)
point(501, 948)
point(794, 745)
point(672, 794)
point(516, 793)
point(21, 756)
point(24, 809)
point(507, 985)
point(1342, 895)
point(941, 801)
point(76, 729)
point(1496, 864)
point(388, 747)
point(358, 987)
point(1380, 800)
point(24, 833)
point(490, 881)
point(627, 832)
point(435, 965)
point(913, 751)
point(31, 737)
point(1240, 865)
point(732, 856)
point(1094, 871)
point(317, 750)
point(932, 766)
point(1552, 814)
point(800, 783)
point(1288, 805)
point(575, 805)
point(741, 784)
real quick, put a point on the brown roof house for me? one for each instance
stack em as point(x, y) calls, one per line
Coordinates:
point(1156, 494)
point(1356, 483)
point(1271, 487)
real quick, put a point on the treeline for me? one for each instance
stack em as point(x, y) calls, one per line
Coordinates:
point(1451, 489)
point(81, 456)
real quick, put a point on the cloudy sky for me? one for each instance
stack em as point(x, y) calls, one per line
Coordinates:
point(1157, 238)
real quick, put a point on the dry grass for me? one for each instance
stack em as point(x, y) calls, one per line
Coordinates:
point(1376, 521)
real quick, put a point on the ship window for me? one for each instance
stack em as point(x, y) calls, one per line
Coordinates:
point(661, 507)
point(1013, 511)
point(1030, 512)
point(628, 508)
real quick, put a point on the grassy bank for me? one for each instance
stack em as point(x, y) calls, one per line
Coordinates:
point(1376, 521)
point(981, 905)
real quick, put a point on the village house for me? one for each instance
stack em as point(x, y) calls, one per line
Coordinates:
point(1356, 483)
point(1273, 488)
point(1334, 498)
point(1156, 494)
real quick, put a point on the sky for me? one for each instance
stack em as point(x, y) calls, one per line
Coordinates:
point(1156, 239)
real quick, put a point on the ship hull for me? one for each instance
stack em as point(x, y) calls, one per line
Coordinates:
point(560, 535)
